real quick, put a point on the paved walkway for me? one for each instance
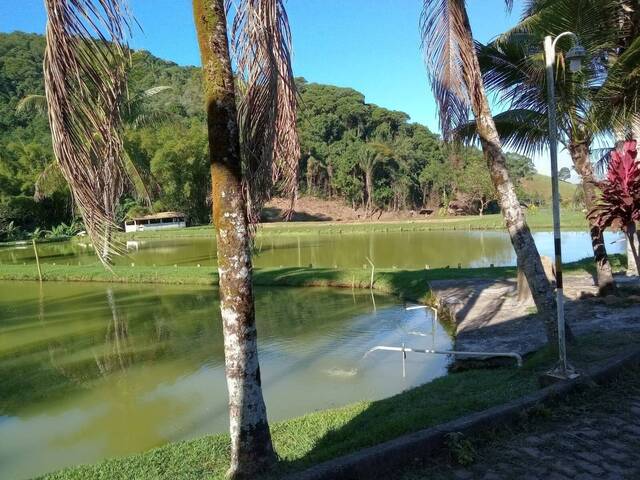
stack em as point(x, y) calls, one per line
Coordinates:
point(490, 318)
point(594, 436)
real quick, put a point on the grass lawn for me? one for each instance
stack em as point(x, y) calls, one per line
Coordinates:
point(541, 184)
point(538, 219)
point(304, 441)
point(407, 284)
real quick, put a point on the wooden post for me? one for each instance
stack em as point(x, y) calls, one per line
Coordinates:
point(35, 250)
point(373, 269)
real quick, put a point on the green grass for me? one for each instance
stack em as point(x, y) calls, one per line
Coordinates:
point(541, 184)
point(537, 219)
point(407, 284)
point(316, 437)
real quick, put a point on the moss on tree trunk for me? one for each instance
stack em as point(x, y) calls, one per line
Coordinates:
point(251, 447)
point(580, 157)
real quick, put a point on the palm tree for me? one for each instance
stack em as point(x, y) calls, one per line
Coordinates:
point(456, 80)
point(135, 114)
point(85, 63)
point(370, 156)
point(513, 66)
point(619, 97)
point(250, 147)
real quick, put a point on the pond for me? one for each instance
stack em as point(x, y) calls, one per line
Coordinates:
point(89, 371)
point(408, 249)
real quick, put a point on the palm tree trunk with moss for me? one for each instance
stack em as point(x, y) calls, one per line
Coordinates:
point(527, 254)
point(580, 157)
point(251, 447)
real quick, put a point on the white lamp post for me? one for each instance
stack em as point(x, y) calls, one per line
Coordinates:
point(574, 56)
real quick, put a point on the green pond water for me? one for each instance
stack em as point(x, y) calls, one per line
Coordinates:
point(413, 249)
point(89, 371)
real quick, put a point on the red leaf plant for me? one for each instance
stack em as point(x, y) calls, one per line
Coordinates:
point(619, 205)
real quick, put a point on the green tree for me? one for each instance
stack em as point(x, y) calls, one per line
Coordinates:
point(514, 67)
point(476, 183)
point(456, 79)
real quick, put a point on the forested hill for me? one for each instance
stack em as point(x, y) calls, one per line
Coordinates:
point(366, 155)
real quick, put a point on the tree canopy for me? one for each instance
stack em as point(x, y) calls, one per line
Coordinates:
point(368, 156)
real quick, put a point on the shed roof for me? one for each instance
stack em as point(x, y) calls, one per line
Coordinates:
point(160, 216)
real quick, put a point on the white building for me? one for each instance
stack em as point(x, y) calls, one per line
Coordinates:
point(156, 221)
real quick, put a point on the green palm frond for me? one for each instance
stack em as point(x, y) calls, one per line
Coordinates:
point(136, 112)
point(137, 182)
point(49, 181)
point(525, 131)
point(32, 104)
point(618, 100)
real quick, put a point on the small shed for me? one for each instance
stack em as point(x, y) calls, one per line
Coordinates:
point(156, 221)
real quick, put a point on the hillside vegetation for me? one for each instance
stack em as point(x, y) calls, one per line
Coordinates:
point(539, 187)
point(366, 157)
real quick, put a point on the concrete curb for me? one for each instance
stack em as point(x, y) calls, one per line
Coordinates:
point(373, 461)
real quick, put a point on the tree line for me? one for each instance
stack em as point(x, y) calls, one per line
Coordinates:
point(367, 156)
point(250, 132)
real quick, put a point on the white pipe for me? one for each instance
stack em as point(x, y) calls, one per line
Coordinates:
point(404, 349)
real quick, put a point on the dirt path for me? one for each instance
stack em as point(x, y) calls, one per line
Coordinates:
point(593, 435)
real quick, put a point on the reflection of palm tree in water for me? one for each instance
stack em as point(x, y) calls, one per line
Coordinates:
point(117, 352)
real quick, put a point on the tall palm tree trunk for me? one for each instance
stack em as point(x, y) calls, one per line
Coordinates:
point(251, 447)
point(527, 254)
point(580, 157)
point(368, 180)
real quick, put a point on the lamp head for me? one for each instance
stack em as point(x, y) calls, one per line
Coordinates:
point(575, 55)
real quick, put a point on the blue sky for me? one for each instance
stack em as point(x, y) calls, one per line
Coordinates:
point(369, 45)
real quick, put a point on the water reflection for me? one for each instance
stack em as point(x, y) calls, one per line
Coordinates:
point(90, 371)
point(386, 249)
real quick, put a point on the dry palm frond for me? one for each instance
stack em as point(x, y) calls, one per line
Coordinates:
point(261, 42)
point(443, 25)
point(84, 71)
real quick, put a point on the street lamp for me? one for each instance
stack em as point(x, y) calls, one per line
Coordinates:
point(574, 56)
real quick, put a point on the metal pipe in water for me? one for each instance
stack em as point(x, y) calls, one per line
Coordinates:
point(404, 349)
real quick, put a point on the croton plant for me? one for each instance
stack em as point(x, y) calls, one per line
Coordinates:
point(619, 204)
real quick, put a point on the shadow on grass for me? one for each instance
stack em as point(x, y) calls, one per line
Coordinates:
point(439, 401)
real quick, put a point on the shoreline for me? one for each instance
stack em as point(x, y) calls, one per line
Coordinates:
point(317, 437)
point(410, 284)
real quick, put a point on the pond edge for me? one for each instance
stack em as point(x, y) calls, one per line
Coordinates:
point(399, 452)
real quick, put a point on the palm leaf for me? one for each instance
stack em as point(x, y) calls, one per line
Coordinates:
point(618, 100)
point(84, 70)
point(261, 47)
point(33, 104)
point(443, 25)
point(525, 131)
point(445, 29)
point(49, 181)
point(137, 114)
point(135, 179)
